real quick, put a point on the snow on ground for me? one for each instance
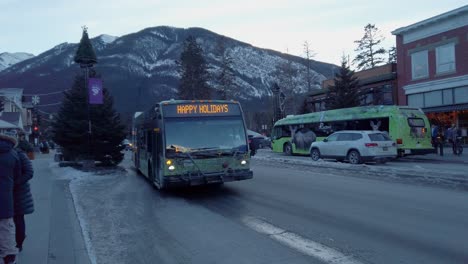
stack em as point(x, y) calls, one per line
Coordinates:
point(409, 169)
point(78, 179)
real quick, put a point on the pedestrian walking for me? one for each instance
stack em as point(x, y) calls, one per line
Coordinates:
point(454, 138)
point(440, 141)
point(23, 200)
point(24, 145)
point(10, 171)
point(434, 134)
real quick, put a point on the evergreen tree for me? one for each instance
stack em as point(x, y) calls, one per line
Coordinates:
point(194, 71)
point(225, 76)
point(344, 93)
point(304, 109)
point(370, 53)
point(392, 57)
point(70, 128)
point(85, 54)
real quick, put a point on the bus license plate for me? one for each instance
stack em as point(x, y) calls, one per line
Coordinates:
point(385, 148)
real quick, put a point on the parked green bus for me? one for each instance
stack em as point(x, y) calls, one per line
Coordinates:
point(191, 143)
point(408, 127)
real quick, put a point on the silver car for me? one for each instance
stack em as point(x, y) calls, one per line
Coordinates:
point(355, 146)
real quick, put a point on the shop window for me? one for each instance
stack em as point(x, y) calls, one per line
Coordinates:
point(461, 95)
point(416, 100)
point(433, 98)
point(448, 97)
point(419, 65)
point(445, 58)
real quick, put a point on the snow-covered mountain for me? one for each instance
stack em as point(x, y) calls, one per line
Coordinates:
point(8, 59)
point(140, 68)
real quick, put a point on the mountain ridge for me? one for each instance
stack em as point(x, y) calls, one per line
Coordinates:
point(140, 68)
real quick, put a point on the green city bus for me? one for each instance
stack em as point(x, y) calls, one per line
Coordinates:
point(408, 127)
point(190, 143)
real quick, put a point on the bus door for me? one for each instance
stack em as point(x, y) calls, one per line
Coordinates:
point(156, 153)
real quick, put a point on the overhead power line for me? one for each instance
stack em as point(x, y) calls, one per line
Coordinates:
point(46, 93)
point(48, 104)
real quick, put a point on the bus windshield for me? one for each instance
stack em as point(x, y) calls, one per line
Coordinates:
point(190, 134)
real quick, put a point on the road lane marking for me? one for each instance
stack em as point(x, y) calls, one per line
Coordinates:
point(303, 245)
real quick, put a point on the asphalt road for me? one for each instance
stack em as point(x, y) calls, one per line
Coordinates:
point(284, 215)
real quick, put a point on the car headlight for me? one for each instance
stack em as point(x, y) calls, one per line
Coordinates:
point(171, 168)
point(243, 162)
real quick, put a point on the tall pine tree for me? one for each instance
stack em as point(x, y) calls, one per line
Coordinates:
point(370, 53)
point(85, 55)
point(344, 93)
point(70, 128)
point(194, 71)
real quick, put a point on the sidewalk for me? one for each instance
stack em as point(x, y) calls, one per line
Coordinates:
point(448, 157)
point(53, 232)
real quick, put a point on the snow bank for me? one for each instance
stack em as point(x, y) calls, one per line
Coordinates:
point(77, 179)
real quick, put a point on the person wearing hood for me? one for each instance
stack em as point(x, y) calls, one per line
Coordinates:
point(10, 172)
point(22, 197)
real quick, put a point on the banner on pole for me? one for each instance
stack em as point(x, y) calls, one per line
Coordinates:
point(95, 91)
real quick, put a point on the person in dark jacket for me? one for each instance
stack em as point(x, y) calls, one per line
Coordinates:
point(24, 145)
point(23, 200)
point(10, 170)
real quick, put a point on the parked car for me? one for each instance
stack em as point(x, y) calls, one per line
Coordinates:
point(355, 146)
point(258, 140)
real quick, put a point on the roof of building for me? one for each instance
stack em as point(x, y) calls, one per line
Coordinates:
point(435, 19)
point(5, 124)
point(11, 91)
point(12, 117)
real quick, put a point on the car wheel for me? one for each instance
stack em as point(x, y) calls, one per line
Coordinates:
point(315, 154)
point(354, 157)
point(287, 149)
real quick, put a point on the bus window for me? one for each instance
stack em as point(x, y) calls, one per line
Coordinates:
point(416, 122)
point(149, 141)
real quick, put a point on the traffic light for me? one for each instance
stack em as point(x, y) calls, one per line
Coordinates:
point(36, 128)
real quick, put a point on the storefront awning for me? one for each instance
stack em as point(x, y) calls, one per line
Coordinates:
point(446, 108)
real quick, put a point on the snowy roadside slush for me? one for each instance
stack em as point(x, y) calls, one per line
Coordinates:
point(416, 172)
point(77, 179)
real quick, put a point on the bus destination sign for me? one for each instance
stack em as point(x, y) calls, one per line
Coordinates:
point(201, 109)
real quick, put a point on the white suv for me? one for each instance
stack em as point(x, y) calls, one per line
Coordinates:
point(355, 146)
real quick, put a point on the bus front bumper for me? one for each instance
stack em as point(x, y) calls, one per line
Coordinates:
point(207, 178)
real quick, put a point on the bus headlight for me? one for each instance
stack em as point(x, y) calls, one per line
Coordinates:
point(243, 162)
point(171, 168)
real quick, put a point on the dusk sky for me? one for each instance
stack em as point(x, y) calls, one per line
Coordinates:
point(330, 26)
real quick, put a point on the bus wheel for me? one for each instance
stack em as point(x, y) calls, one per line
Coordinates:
point(287, 149)
point(315, 154)
point(354, 157)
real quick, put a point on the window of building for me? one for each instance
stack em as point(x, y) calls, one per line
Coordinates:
point(445, 58)
point(448, 96)
point(419, 65)
point(461, 95)
point(416, 100)
point(387, 94)
point(367, 99)
point(433, 98)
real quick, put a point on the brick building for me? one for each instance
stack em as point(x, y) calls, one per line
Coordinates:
point(432, 59)
point(377, 86)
